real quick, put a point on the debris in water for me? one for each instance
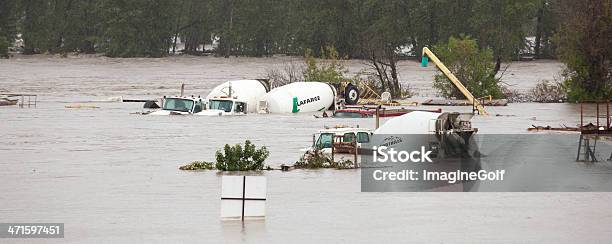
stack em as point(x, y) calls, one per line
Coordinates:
point(549, 128)
point(454, 102)
point(81, 106)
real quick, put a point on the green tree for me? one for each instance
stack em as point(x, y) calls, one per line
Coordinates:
point(331, 70)
point(502, 25)
point(383, 35)
point(585, 46)
point(239, 158)
point(193, 24)
point(137, 28)
point(473, 66)
point(35, 26)
point(8, 25)
point(73, 27)
point(546, 26)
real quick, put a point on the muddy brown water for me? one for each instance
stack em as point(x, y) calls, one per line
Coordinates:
point(112, 176)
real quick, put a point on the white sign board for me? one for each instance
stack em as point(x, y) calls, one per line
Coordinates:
point(243, 196)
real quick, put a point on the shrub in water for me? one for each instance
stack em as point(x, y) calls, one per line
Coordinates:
point(473, 66)
point(549, 92)
point(197, 165)
point(237, 158)
point(316, 160)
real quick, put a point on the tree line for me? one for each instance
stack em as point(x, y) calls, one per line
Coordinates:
point(382, 31)
point(122, 28)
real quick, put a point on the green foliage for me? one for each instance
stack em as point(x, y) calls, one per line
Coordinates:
point(198, 165)
point(137, 28)
point(316, 160)
point(237, 158)
point(313, 160)
point(36, 27)
point(549, 92)
point(8, 25)
point(330, 70)
point(502, 24)
point(3, 47)
point(584, 46)
point(264, 27)
point(474, 67)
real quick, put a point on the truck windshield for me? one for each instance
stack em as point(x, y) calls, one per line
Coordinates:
point(221, 105)
point(177, 104)
point(324, 141)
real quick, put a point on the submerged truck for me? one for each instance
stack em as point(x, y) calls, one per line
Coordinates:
point(240, 97)
point(229, 98)
point(299, 97)
point(236, 97)
point(180, 105)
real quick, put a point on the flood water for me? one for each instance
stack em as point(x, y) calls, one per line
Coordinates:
point(112, 176)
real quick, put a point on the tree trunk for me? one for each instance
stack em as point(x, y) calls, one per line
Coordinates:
point(538, 37)
point(228, 39)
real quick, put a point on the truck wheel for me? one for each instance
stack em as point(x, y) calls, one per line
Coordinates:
point(351, 94)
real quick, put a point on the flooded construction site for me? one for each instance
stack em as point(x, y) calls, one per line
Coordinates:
point(82, 158)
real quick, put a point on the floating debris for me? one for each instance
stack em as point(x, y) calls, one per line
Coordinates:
point(23, 100)
point(549, 128)
point(77, 106)
point(7, 101)
point(454, 102)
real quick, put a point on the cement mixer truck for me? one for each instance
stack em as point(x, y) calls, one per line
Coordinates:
point(306, 97)
point(249, 96)
point(239, 97)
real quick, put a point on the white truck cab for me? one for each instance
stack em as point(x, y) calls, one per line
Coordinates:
point(339, 138)
point(223, 106)
point(322, 140)
point(236, 97)
point(177, 105)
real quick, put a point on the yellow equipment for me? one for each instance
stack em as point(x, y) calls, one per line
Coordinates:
point(453, 78)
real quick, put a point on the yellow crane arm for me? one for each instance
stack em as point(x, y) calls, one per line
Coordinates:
point(453, 78)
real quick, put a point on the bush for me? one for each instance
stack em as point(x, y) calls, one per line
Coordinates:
point(583, 41)
point(474, 67)
point(237, 158)
point(315, 159)
point(198, 165)
point(330, 70)
point(549, 92)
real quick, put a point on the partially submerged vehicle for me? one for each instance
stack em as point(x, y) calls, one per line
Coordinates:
point(240, 97)
point(323, 139)
point(177, 105)
point(299, 97)
point(339, 143)
point(229, 98)
point(236, 97)
point(224, 106)
point(369, 112)
point(445, 134)
point(442, 133)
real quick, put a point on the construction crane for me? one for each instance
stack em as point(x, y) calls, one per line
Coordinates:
point(452, 78)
